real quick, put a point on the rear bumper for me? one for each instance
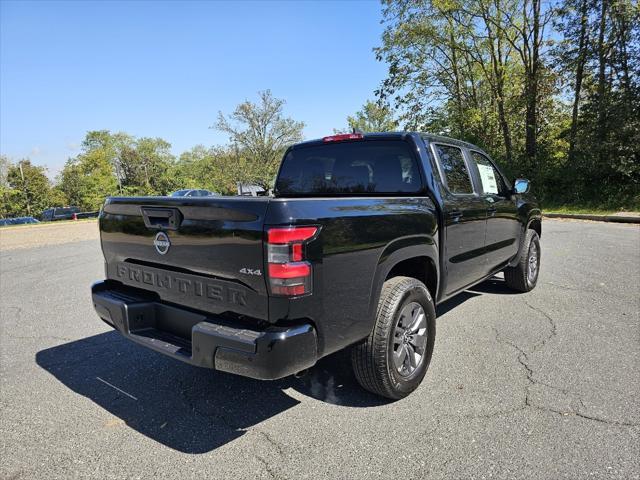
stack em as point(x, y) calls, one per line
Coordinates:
point(202, 340)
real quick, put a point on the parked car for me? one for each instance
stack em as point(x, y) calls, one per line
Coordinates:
point(194, 193)
point(65, 213)
point(59, 213)
point(248, 190)
point(363, 236)
point(17, 221)
point(78, 216)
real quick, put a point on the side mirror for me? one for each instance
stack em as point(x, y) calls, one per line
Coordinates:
point(521, 185)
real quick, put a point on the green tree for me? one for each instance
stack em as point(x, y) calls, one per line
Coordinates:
point(143, 164)
point(88, 179)
point(111, 146)
point(373, 117)
point(218, 169)
point(9, 204)
point(5, 163)
point(600, 57)
point(117, 164)
point(451, 69)
point(31, 188)
point(259, 134)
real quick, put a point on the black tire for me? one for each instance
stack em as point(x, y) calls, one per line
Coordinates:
point(373, 358)
point(520, 277)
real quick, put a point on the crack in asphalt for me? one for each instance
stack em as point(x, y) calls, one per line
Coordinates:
point(523, 360)
point(274, 473)
point(268, 468)
point(271, 441)
point(553, 331)
point(186, 391)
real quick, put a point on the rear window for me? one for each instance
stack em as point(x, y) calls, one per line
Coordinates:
point(386, 166)
point(66, 210)
point(455, 169)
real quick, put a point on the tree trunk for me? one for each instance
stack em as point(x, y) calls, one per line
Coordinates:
point(495, 50)
point(602, 59)
point(579, 75)
point(458, 93)
point(498, 69)
point(531, 144)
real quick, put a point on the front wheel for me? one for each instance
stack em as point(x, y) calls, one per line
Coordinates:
point(523, 277)
point(394, 358)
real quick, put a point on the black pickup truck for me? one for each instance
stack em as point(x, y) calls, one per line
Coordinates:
point(362, 236)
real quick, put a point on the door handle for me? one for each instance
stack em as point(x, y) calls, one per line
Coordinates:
point(161, 218)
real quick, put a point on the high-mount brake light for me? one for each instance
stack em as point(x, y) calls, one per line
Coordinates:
point(343, 137)
point(289, 274)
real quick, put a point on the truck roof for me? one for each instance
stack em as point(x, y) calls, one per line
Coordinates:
point(429, 137)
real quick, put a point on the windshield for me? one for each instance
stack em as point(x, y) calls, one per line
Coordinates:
point(180, 193)
point(376, 166)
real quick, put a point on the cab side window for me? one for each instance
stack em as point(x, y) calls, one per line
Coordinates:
point(490, 178)
point(454, 169)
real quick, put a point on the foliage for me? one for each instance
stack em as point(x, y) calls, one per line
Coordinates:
point(374, 117)
point(143, 164)
point(556, 102)
point(87, 179)
point(604, 71)
point(259, 133)
point(216, 169)
point(27, 190)
point(499, 74)
point(4, 170)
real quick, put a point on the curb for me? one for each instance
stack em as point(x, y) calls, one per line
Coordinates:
point(595, 218)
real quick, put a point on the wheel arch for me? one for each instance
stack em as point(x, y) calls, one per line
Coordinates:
point(415, 257)
point(533, 223)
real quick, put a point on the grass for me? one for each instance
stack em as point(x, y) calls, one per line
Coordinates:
point(44, 224)
point(585, 209)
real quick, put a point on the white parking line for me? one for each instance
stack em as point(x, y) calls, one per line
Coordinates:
point(118, 389)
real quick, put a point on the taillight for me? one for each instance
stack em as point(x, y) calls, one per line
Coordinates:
point(289, 274)
point(342, 137)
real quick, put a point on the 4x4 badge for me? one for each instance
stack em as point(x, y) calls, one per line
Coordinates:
point(162, 243)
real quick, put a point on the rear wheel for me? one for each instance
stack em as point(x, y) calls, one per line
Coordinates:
point(395, 357)
point(523, 277)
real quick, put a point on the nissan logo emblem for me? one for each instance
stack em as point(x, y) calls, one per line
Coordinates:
point(162, 243)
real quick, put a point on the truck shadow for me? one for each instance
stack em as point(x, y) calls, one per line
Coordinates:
point(195, 410)
point(189, 409)
point(491, 286)
point(494, 285)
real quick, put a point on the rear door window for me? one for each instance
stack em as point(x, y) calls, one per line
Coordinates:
point(490, 178)
point(360, 167)
point(454, 168)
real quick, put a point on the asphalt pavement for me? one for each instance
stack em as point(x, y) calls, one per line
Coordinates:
point(542, 385)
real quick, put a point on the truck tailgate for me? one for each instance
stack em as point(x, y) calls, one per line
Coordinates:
point(204, 253)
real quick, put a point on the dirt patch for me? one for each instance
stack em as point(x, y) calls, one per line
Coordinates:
point(29, 236)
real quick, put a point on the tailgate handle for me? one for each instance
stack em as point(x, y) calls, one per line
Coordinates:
point(162, 218)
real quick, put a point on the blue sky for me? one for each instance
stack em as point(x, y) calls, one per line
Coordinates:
point(166, 68)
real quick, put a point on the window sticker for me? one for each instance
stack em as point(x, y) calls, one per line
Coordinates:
point(489, 184)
